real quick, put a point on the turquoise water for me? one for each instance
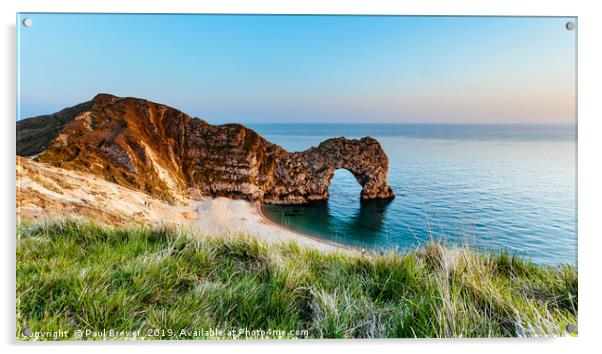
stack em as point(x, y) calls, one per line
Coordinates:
point(496, 187)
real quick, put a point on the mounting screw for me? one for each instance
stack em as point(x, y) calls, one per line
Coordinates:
point(571, 329)
point(570, 25)
point(27, 22)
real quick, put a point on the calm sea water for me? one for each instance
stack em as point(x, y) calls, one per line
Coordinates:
point(495, 187)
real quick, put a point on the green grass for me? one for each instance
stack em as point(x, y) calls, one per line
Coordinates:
point(73, 275)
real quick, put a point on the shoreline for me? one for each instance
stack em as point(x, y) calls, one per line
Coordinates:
point(45, 192)
point(221, 216)
point(300, 234)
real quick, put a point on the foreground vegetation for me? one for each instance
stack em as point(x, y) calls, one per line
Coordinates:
point(165, 284)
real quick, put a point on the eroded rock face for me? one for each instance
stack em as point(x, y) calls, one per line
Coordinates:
point(166, 153)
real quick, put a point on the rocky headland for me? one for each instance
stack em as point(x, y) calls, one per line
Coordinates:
point(169, 155)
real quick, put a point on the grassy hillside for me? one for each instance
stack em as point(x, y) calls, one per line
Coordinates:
point(81, 276)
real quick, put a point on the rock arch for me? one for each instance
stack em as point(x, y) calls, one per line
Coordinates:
point(304, 177)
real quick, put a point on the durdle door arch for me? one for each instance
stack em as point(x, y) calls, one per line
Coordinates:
point(306, 176)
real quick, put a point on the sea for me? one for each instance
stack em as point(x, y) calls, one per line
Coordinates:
point(495, 187)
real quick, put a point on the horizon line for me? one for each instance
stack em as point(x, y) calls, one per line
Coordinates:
point(405, 123)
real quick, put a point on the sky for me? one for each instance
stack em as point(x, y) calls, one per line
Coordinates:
point(305, 69)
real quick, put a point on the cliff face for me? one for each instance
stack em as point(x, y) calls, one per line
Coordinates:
point(165, 153)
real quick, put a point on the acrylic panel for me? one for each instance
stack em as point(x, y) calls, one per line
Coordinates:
point(202, 176)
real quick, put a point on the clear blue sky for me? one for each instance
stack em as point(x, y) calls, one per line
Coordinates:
point(329, 69)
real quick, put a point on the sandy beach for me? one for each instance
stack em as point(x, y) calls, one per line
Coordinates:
point(221, 216)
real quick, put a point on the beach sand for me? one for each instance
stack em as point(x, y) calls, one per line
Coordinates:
point(220, 216)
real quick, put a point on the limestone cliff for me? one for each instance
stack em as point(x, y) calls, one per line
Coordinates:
point(168, 154)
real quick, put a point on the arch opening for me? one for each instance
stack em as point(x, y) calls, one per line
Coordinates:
point(344, 187)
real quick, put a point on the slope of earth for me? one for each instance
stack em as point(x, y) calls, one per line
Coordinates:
point(44, 191)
